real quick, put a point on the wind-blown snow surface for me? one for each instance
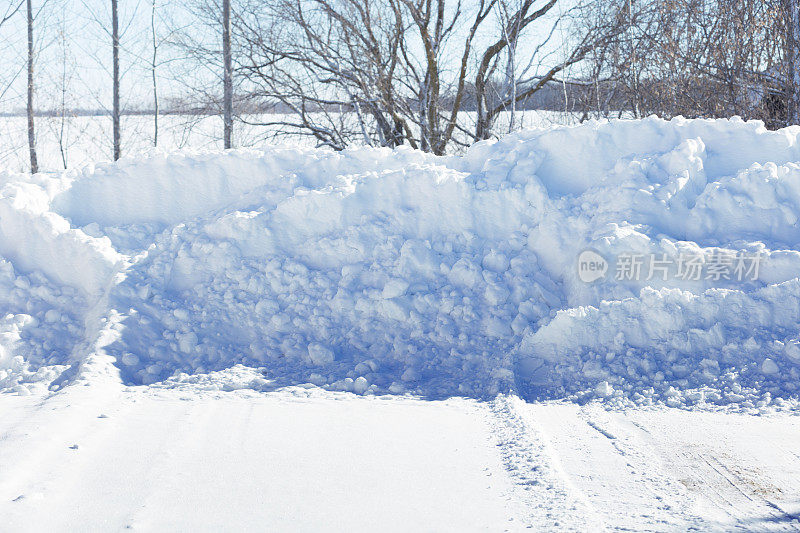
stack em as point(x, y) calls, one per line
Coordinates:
point(373, 270)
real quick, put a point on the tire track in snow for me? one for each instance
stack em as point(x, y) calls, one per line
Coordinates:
point(548, 499)
point(620, 481)
point(721, 485)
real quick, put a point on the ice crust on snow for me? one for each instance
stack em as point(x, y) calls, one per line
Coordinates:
point(376, 270)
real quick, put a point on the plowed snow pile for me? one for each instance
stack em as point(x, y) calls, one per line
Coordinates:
point(373, 270)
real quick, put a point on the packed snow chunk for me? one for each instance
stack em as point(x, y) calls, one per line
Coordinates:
point(360, 385)
point(603, 389)
point(769, 366)
point(319, 354)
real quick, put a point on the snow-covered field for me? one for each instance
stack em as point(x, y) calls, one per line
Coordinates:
point(583, 328)
point(81, 140)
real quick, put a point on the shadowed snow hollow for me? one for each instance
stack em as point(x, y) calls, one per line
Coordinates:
point(379, 270)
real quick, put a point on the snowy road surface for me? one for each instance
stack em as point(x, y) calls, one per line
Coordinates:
point(107, 459)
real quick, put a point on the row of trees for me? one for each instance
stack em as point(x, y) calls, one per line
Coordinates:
point(441, 74)
point(428, 73)
point(702, 58)
point(32, 14)
point(436, 74)
point(62, 62)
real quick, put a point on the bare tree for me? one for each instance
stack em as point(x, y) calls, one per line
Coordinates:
point(388, 72)
point(30, 109)
point(437, 118)
point(719, 58)
point(11, 9)
point(332, 66)
point(153, 68)
point(227, 98)
point(792, 32)
point(115, 113)
point(514, 19)
point(61, 120)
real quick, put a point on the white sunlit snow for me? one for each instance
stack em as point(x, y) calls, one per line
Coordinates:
point(184, 309)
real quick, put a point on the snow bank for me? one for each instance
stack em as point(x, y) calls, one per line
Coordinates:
point(373, 270)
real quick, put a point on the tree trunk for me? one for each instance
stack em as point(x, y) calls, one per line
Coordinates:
point(482, 124)
point(31, 131)
point(115, 53)
point(635, 94)
point(62, 126)
point(153, 72)
point(227, 98)
point(792, 58)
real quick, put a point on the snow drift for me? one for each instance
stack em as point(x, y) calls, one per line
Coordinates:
point(373, 270)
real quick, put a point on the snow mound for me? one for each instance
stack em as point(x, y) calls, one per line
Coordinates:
point(376, 271)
